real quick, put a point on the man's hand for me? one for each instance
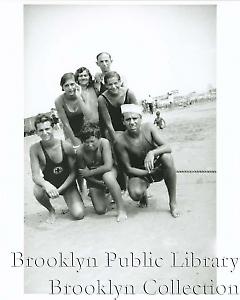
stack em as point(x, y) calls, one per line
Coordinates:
point(51, 190)
point(149, 161)
point(98, 77)
point(84, 172)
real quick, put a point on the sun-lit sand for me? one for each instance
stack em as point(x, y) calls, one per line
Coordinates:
point(191, 133)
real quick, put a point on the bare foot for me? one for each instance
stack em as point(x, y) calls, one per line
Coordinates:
point(122, 216)
point(174, 210)
point(143, 202)
point(51, 218)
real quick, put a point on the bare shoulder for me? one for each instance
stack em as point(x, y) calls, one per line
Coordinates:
point(148, 127)
point(58, 101)
point(104, 142)
point(120, 139)
point(68, 148)
point(34, 150)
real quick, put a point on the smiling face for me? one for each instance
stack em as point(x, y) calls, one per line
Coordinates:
point(83, 78)
point(91, 144)
point(44, 130)
point(113, 85)
point(132, 121)
point(69, 87)
point(104, 62)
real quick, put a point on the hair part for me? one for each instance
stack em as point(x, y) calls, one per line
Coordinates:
point(88, 130)
point(41, 118)
point(111, 74)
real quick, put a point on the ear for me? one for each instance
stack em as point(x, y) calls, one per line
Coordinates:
point(97, 64)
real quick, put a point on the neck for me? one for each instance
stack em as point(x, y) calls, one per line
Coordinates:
point(74, 97)
point(50, 143)
point(134, 134)
point(84, 87)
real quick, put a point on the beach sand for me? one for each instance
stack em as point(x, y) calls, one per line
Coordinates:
point(191, 133)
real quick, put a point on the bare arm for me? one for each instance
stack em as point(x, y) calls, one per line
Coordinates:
point(107, 160)
point(37, 177)
point(106, 117)
point(72, 162)
point(62, 115)
point(160, 149)
point(132, 98)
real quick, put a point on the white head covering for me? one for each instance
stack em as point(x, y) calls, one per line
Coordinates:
point(131, 108)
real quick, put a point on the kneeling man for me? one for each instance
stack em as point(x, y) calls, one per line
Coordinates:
point(145, 157)
point(54, 159)
point(95, 163)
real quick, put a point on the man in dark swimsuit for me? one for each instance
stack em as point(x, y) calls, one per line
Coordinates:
point(145, 157)
point(54, 158)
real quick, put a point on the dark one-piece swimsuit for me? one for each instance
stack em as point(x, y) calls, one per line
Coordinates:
point(56, 173)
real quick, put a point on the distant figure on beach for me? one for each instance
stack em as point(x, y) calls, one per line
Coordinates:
point(104, 62)
point(150, 104)
point(145, 157)
point(159, 121)
point(95, 164)
point(72, 109)
point(53, 170)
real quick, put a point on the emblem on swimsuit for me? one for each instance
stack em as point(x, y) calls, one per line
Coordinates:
point(57, 170)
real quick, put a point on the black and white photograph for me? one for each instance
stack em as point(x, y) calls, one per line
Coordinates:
point(120, 171)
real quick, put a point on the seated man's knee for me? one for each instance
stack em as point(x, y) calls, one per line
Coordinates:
point(78, 214)
point(136, 192)
point(109, 178)
point(167, 160)
point(100, 210)
point(38, 192)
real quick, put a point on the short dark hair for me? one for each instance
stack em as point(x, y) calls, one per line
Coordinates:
point(79, 71)
point(111, 74)
point(41, 118)
point(66, 77)
point(103, 53)
point(89, 129)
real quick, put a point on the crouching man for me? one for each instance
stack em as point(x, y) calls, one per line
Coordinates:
point(95, 164)
point(53, 170)
point(145, 157)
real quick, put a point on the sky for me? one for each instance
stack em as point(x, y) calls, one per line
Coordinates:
point(157, 48)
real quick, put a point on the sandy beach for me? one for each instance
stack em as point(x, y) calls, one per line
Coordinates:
point(151, 232)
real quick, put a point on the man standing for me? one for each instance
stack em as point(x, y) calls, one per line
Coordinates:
point(54, 159)
point(145, 157)
point(104, 62)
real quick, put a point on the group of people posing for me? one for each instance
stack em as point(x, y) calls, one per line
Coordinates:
point(106, 144)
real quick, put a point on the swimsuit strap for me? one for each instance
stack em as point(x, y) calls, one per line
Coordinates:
point(47, 157)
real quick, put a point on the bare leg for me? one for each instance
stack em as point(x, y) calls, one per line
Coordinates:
point(98, 200)
point(137, 189)
point(43, 199)
point(111, 182)
point(74, 202)
point(169, 174)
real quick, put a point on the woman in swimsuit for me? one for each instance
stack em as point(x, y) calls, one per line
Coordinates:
point(70, 108)
point(88, 93)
